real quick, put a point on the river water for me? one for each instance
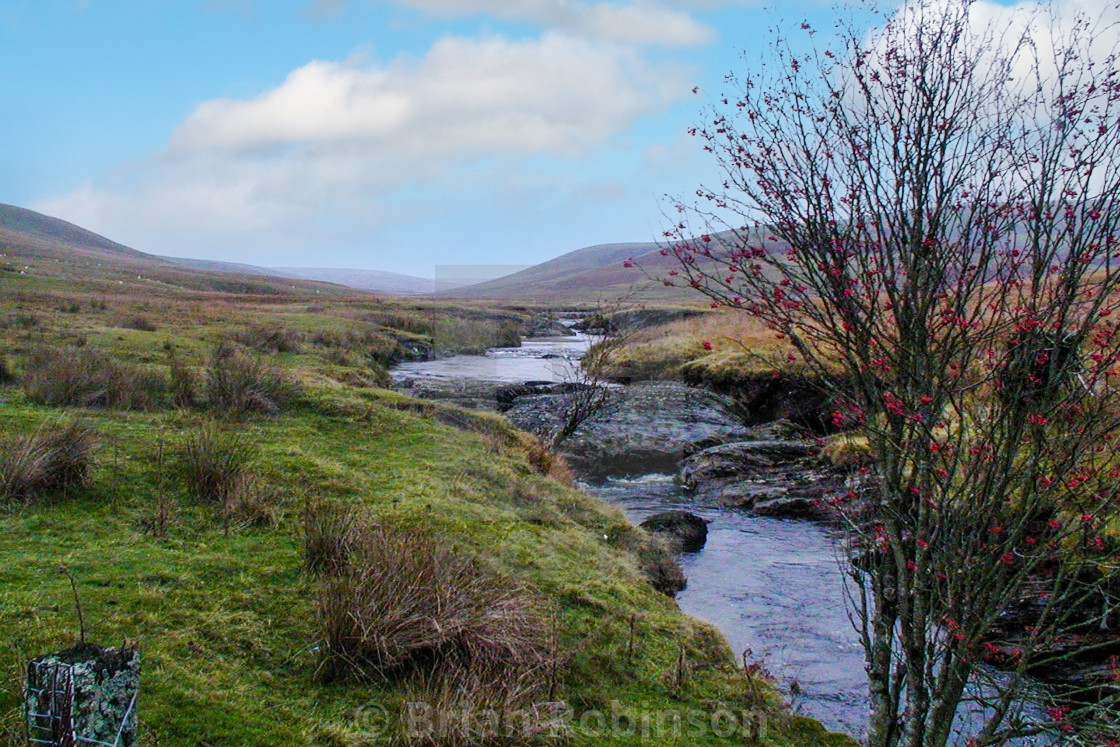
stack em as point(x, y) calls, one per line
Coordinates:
point(772, 586)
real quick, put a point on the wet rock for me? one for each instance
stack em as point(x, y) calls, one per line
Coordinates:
point(644, 428)
point(475, 395)
point(771, 478)
point(545, 325)
point(507, 395)
point(687, 532)
point(792, 507)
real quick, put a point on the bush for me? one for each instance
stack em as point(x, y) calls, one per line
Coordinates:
point(6, 375)
point(54, 458)
point(214, 465)
point(408, 606)
point(239, 383)
point(183, 382)
point(80, 377)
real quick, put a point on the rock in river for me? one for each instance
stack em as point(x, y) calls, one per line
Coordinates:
point(773, 478)
point(645, 427)
point(687, 531)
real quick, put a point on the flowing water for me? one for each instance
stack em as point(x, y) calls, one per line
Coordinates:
point(772, 586)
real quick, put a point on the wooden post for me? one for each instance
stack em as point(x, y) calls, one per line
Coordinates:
point(85, 695)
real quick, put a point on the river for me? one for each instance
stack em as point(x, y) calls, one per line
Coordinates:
point(772, 586)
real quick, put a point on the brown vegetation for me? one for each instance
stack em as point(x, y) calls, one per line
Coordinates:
point(54, 458)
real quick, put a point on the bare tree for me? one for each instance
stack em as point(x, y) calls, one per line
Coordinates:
point(588, 387)
point(930, 216)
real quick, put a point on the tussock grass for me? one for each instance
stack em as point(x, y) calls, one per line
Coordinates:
point(140, 323)
point(54, 458)
point(410, 606)
point(214, 464)
point(182, 382)
point(270, 338)
point(238, 383)
point(331, 532)
point(82, 377)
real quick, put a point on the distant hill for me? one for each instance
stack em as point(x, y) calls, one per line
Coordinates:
point(375, 281)
point(36, 246)
point(37, 232)
point(595, 273)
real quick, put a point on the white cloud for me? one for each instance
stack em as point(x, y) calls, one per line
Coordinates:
point(638, 22)
point(557, 95)
point(359, 143)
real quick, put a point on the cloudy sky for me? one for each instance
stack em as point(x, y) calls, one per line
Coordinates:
point(396, 135)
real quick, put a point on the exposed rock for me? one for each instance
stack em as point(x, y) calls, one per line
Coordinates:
point(644, 428)
point(688, 532)
point(768, 398)
point(506, 395)
point(475, 395)
point(545, 325)
point(771, 478)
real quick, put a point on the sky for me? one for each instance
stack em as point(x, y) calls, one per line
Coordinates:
point(400, 135)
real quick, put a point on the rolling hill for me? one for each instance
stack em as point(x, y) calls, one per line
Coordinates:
point(42, 252)
point(591, 274)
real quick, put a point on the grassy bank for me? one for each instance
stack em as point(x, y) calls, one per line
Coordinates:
point(213, 584)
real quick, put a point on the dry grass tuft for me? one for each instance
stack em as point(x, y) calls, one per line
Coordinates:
point(270, 338)
point(81, 377)
point(331, 533)
point(238, 383)
point(214, 465)
point(54, 458)
point(409, 607)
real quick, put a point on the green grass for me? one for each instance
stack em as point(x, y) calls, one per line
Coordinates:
point(223, 610)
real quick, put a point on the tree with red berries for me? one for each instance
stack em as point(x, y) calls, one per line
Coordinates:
point(929, 215)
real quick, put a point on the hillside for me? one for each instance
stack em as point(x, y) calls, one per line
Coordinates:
point(588, 275)
point(218, 586)
point(375, 281)
point(41, 253)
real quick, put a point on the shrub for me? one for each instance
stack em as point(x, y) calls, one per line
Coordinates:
point(55, 458)
point(80, 377)
point(409, 606)
point(214, 465)
point(6, 375)
point(239, 383)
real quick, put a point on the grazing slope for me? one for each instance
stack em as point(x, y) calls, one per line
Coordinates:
point(33, 231)
point(43, 251)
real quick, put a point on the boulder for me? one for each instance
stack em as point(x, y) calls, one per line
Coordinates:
point(785, 478)
point(644, 428)
point(687, 532)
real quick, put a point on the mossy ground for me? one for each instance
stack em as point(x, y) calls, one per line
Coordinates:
point(224, 613)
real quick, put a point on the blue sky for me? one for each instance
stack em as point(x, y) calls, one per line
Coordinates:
point(350, 133)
